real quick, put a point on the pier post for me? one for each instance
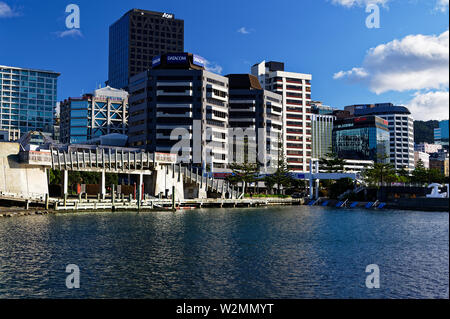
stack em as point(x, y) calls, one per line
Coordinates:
point(46, 201)
point(27, 204)
point(317, 188)
point(102, 185)
point(65, 182)
point(173, 199)
point(113, 194)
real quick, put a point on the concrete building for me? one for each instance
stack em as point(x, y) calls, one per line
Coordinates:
point(9, 135)
point(441, 134)
point(136, 38)
point(427, 148)
point(259, 111)
point(27, 99)
point(361, 138)
point(295, 88)
point(179, 94)
point(103, 112)
point(422, 156)
point(401, 129)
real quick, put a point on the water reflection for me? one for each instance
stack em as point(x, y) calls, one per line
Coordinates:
point(289, 252)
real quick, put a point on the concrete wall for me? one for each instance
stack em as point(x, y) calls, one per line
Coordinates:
point(160, 182)
point(17, 178)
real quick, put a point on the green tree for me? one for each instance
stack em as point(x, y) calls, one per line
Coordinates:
point(380, 172)
point(331, 163)
point(282, 176)
point(420, 173)
point(243, 173)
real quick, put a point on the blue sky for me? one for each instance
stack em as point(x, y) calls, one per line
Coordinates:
point(405, 61)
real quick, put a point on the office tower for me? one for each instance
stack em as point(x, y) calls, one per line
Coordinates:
point(401, 128)
point(93, 115)
point(295, 88)
point(27, 99)
point(136, 38)
point(256, 110)
point(362, 138)
point(179, 94)
point(441, 134)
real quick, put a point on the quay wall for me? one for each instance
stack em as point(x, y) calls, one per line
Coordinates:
point(18, 178)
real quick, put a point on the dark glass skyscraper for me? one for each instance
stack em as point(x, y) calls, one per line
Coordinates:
point(136, 38)
point(362, 138)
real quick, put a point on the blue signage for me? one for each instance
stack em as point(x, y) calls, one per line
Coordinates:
point(198, 60)
point(176, 58)
point(156, 61)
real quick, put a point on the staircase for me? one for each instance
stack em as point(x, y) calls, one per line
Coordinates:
point(219, 186)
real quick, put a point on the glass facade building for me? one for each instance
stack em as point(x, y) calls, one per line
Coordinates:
point(441, 134)
point(362, 138)
point(136, 38)
point(94, 115)
point(27, 99)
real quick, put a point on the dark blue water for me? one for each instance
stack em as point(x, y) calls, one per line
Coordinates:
point(293, 252)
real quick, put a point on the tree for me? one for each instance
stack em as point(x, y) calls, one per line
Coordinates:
point(380, 172)
point(282, 175)
point(420, 174)
point(331, 163)
point(243, 173)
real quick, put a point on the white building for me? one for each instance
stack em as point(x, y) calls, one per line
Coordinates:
point(424, 157)
point(295, 88)
point(428, 148)
point(401, 129)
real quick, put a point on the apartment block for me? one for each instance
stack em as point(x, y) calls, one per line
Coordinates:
point(295, 88)
point(256, 110)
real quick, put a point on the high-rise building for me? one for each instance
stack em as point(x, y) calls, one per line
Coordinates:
point(94, 115)
point(27, 99)
point(256, 110)
point(322, 134)
point(441, 134)
point(295, 88)
point(136, 38)
point(179, 94)
point(401, 128)
point(362, 138)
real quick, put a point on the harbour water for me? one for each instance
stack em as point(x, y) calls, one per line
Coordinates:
point(276, 252)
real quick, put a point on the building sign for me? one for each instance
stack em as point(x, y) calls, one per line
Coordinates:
point(198, 60)
point(166, 158)
point(167, 15)
point(176, 58)
point(156, 61)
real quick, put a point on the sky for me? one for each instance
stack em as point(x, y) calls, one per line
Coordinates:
point(405, 61)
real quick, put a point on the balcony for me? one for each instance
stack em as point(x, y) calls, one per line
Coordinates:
point(169, 93)
point(183, 115)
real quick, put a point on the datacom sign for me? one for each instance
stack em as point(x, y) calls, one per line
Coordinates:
point(200, 61)
point(176, 58)
point(156, 61)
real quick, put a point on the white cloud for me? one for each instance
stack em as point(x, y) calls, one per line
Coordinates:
point(430, 106)
point(359, 3)
point(413, 63)
point(6, 11)
point(442, 5)
point(243, 30)
point(71, 33)
point(213, 67)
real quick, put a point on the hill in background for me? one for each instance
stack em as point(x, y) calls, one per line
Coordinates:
point(424, 131)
